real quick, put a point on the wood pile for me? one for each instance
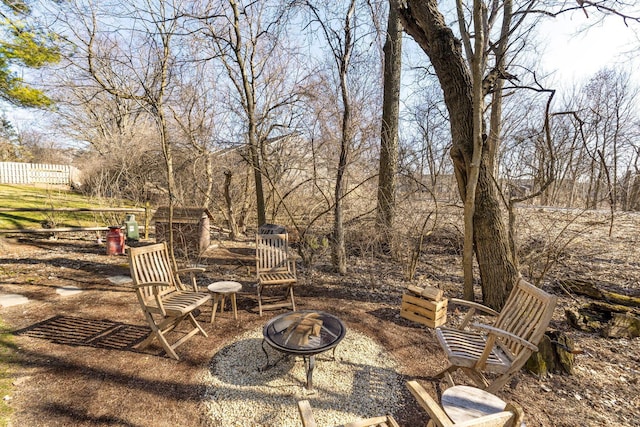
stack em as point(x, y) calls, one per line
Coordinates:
point(302, 327)
point(425, 305)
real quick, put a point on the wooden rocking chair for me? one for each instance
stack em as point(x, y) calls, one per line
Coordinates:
point(275, 268)
point(165, 301)
point(502, 348)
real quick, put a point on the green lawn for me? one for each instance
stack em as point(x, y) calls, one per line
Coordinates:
point(28, 196)
point(7, 355)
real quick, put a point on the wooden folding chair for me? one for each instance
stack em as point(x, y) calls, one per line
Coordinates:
point(502, 348)
point(275, 268)
point(165, 301)
point(469, 412)
point(308, 420)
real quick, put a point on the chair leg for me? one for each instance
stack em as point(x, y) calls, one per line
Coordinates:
point(164, 327)
point(260, 300)
point(148, 340)
point(449, 379)
point(214, 307)
point(152, 335)
point(196, 325)
point(446, 374)
point(449, 369)
point(293, 301)
point(158, 331)
point(234, 306)
point(167, 347)
point(500, 382)
point(167, 325)
point(477, 378)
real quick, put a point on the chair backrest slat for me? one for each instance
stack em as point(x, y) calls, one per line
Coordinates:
point(526, 313)
point(151, 264)
point(272, 253)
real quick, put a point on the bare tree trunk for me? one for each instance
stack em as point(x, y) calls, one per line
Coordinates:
point(424, 22)
point(245, 84)
point(473, 169)
point(390, 112)
point(229, 205)
point(338, 252)
point(242, 220)
point(342, 43)
point(257, 175)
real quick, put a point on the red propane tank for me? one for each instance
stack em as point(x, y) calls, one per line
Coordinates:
point(115, 241)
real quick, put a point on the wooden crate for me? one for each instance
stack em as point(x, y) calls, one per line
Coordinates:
point(423, 310)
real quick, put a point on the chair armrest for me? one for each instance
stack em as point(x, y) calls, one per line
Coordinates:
point(475, 305)
point(190, 270)
point(306, 414)
point(436, 413)
point(192, 274)
point(499, 419)
point(505, 334)
point(386, 420)
point(157, 296)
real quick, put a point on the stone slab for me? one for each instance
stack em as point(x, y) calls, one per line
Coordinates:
point(120, 280)
point(68, 290)
point(8, 300)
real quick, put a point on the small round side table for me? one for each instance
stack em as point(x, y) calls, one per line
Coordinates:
point(221, 290)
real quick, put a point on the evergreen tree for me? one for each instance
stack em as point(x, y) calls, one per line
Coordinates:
point(23, 45)
point(8, 139)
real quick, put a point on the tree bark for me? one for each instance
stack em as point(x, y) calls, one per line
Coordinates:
point(247, 91)
point(233, 226)
point(473, 169)
point(390, 112)
point(424, 22)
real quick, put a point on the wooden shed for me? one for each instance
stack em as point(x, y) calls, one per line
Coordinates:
point(191, 234)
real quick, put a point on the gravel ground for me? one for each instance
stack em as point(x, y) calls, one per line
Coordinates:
point(362, 382)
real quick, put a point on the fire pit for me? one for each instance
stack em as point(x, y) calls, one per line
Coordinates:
point(303, 333)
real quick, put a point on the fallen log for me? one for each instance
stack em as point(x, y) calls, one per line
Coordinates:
point(609, 320)
point(622, 326)
point(590, 289)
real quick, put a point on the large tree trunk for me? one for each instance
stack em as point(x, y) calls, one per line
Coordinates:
point(233, 226)
point(424, 22)
point(257, 174)
point(390, 111)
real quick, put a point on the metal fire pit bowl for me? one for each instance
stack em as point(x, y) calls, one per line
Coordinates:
point(277, 334)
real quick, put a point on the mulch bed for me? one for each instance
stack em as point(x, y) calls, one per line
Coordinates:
point(76, 364)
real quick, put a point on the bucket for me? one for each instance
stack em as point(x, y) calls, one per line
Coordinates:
point(115, 241)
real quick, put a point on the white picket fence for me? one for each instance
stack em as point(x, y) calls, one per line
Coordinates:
point(33, 173)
